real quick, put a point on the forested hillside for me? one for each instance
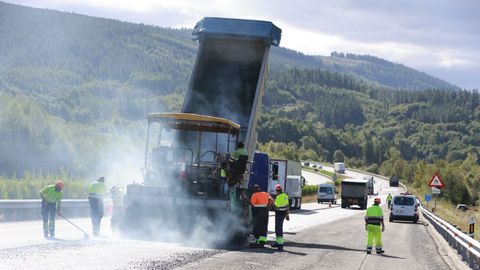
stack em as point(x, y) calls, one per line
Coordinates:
point(74, 91)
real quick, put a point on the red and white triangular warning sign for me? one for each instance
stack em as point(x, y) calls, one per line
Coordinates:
point(436, 181)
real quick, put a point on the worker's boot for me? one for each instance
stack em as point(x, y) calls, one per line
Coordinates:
point(280, 247)
point(275, 245)
point(369, 250)
point(52, 234)
point(380, 251)
point(45, 234)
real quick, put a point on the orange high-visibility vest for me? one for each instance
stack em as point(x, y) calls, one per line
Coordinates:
point(260, 199)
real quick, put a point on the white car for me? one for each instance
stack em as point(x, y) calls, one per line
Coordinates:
point(404, 207)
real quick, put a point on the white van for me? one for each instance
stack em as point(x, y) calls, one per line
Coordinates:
point(404, 207)
point(326, 193)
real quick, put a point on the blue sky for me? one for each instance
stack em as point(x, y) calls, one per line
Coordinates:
point(439, 37)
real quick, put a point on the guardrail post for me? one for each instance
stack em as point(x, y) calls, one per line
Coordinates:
point(471, 260)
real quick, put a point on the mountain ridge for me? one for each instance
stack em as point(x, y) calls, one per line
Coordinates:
point(381, 73)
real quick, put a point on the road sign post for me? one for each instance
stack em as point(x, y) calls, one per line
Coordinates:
point(428, 198)
point(471, 226)
point(436, 184)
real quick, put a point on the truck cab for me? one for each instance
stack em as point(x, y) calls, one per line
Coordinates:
point(370, 184)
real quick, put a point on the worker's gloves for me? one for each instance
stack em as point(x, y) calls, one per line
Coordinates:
point(287, 217)
point(44, 202)
point(383, 228)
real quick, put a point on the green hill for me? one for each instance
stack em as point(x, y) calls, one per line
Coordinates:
point(74, 91)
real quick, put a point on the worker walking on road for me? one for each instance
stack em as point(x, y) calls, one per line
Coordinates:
point(389, 200)
point(51, 199)
point(282, 211)
point(96, 191)
point(260, 202)
point(373, 221)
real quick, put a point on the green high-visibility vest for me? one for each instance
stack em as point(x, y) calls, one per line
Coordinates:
point(389, 197)
point(239, 152)
point(281, 201)
point(51, 194)
point(374, 215)
point(97, 189)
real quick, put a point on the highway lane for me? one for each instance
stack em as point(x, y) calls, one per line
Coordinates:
point(314, 178)
point(335, 238)
point(318, 237)
point(22, 246)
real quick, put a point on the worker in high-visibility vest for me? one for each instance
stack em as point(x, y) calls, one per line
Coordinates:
point(51, 198)
point(260, 202)
point(96, 192)
point(389, 200)
point(373, 221)
point(240, 151)
point(282, 211)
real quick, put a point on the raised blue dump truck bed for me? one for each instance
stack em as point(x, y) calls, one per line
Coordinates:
point(237, 28)
point(228, 76)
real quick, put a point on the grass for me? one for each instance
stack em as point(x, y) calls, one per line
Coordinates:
point(309, 198)
point(30, 185)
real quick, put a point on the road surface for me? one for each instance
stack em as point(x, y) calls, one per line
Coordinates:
point(317, 237)
point(314, 178)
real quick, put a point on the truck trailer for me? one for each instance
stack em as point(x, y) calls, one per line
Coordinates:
point(190, 179)
point(339, 167)
point(354, 192)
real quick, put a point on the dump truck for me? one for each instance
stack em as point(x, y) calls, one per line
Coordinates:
point(190, 179)
point(354, 192)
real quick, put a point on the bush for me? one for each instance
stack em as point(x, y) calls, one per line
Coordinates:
point(309, 189)
point(373, 169)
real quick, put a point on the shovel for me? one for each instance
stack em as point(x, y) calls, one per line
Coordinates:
point(85, 234)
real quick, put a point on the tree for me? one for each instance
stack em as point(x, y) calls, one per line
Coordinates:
point(338, 156)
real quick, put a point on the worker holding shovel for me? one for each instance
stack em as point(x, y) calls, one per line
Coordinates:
point(51, 198)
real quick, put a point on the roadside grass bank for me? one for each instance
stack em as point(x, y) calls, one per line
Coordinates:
point(29, 186)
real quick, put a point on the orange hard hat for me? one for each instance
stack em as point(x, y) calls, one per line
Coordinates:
point(278, 187)
point(60, 184)
point(376, 200)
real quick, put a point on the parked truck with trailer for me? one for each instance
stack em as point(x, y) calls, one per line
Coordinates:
point(354, 192)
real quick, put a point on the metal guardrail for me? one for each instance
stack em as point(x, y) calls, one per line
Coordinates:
point(467, 247)
point(31, 204)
